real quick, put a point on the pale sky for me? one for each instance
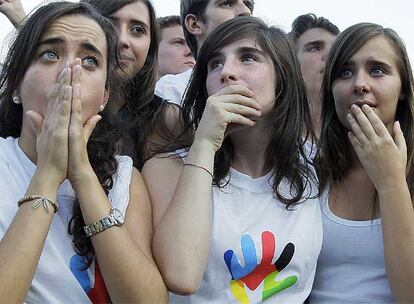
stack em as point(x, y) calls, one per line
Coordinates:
point(397, 14)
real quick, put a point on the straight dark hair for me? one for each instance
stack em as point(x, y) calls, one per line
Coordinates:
point(102, 143)
point(336, 152)
point(142, 112)
point(286, 153)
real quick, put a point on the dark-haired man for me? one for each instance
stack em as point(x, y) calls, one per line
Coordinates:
point(199, 18)
point(174, 55)
point(313, 37)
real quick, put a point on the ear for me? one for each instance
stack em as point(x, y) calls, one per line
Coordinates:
point(194, 25)
point(105, 97)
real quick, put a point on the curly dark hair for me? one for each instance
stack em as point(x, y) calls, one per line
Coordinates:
point(286, 153)
point(102, 143)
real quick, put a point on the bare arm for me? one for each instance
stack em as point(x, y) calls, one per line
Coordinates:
point(22, 245)
point(124, 253)
point(384, 158)
point(13, 10)
point(181, 196)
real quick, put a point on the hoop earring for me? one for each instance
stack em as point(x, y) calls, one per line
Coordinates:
point(17, 99)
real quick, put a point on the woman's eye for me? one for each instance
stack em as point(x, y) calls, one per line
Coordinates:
point(90, 61)
point(137, 29)
point(49, 55)
point(314, 49)
point(226, 4)
point(346, 74)
point(377, 71)
point(248, 58)
point(214, 64)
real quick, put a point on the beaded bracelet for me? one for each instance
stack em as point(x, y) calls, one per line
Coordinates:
point(39, 201)
point(197, 166)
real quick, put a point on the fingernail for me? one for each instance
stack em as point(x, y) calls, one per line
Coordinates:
point(354, 107)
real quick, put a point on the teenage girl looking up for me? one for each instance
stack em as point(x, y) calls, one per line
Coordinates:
point(366, 170)
point(234, 213)
point(69, 205)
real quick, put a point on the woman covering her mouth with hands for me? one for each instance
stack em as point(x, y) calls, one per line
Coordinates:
point(235, 214)
point(74, 217)
point(366, 170)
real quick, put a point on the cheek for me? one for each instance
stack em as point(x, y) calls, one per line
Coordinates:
point(93, 93)
point(35, 89)
point(342, 103)
point(140, 49)
point(213, 83)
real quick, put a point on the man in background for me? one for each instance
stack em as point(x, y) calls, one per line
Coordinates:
point(313, 37)
point(174, 55)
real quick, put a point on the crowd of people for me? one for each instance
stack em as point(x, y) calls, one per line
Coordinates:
point(203, 158)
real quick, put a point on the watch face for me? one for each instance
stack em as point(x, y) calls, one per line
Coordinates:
point(118, 216)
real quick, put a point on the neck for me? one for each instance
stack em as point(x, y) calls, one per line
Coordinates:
point(250, 146)
point(315, 107)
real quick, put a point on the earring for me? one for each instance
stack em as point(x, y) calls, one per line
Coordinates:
point(101, 108)
point(17, 99)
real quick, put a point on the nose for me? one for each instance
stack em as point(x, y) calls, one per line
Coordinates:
point(123, 39)
point(187, 51)
point(228, 74)
point(243, 10)
point(361, 83)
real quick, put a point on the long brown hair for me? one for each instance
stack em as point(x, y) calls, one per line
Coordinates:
point(336, 158)
point(102, 143)
point(286, 154)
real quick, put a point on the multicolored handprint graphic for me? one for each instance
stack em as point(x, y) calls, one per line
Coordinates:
point(252, 274)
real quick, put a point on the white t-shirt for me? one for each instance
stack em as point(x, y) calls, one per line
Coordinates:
point(172, 87)
point(250, 230)
point(58, 277)
point(351, 266)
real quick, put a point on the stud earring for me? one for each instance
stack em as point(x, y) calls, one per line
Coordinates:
point(17, 99)
point(101, 108)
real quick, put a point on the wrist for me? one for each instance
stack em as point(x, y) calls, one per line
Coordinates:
point(83, 178)
point(203, 145)
point(16, 16)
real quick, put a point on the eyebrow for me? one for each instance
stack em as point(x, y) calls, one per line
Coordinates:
point(85, 45)
point(132, 21)
point(315, 42)
point(370, 62)
point(239, 51)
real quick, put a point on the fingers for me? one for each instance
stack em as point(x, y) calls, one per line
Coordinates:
point(242, 110)
point(360, 124)
point(399, 138)
point(235, 89)
point(376, 123)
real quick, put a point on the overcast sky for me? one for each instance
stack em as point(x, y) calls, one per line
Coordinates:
point(397, 14)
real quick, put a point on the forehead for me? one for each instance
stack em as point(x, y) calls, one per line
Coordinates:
point(236, 46)
point(316, 34)
point(377, 48)
point(76, 29)
point(172, 31)
point(137, 10)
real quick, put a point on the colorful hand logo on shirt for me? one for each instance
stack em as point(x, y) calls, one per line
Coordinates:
point(251, 275)
point(91, 281)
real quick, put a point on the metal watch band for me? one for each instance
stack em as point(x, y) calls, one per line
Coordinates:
point(101, 225)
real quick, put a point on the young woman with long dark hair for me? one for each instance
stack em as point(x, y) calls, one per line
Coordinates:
point(75, 218)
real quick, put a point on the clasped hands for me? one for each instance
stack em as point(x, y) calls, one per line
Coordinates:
point(61, 136)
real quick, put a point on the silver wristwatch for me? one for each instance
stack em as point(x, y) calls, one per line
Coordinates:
point(115, 218)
